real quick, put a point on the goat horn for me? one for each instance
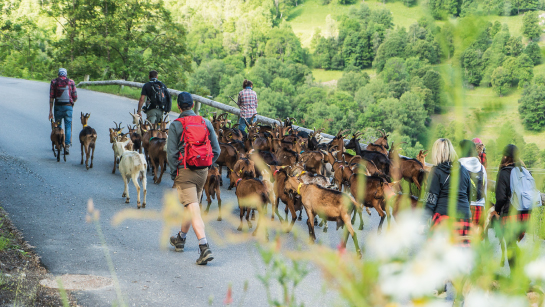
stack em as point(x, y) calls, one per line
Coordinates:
point(115, 124)
point(381, 132)
point(345, 130)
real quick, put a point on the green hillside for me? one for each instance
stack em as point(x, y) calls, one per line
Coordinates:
point(310, 15)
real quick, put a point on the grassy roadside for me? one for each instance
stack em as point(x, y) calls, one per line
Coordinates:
point(21, 271)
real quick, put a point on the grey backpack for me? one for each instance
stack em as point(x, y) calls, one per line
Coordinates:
point(525, 195)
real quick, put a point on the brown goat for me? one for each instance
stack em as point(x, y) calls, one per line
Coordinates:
point(329, 204)
point(251, 193)
point(212, 189)
point(136, 138)
point(422, 158)
point(371, 196)
point(147, 135)
point(158, 157)
point(313, 161)
point(280, 176)
point(57, 140)
point(228, 157)
point(243, 168)
point(87, 139)
point(409, 169)
point(284, 156)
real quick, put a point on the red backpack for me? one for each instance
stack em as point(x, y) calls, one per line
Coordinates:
point(197, 150)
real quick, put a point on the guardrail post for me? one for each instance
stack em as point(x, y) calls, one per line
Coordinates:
point(86, 78)
point(197, 107)
point(122, 86)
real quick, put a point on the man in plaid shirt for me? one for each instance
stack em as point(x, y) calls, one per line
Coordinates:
point(247, 102)
point(63, 94)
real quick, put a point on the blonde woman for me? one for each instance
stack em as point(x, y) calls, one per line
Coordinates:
point(444, 157)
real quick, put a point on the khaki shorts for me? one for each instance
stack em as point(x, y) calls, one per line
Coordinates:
point(189, 184)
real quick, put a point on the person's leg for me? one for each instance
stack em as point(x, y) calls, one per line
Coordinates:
point(68, 125)
point(154, 115)
point(242, 125)
point(196, 221)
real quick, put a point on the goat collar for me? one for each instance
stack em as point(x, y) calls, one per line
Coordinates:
point(299, 188)
point(238, 180)
point(275, 172)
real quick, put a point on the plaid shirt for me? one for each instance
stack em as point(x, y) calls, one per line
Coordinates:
point(247, 100)
point(53, 88)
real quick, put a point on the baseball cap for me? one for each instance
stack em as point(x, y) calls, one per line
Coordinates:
point(185, 100)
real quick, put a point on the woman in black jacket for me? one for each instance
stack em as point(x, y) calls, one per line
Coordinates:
point(510, 217)
point(437, 196)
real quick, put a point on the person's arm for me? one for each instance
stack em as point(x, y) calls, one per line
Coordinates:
point(140, 104)
point(51, 99)
point(172, 150)
point(432, 195)
point(502, 187)
point(213, 141)
point(143, 96)
point(73, 92)
point(169, 104)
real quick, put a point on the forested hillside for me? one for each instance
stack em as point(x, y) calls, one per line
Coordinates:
point(408, 67)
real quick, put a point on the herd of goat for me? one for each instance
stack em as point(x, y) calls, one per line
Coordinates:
point(295, 168)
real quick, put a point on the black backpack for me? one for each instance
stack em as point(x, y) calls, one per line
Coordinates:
point(159, 96)
point(477, 185)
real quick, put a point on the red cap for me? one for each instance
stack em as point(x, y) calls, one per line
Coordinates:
point(477, 141)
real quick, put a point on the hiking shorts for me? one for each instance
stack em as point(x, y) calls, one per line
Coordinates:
point(154, 115)
point(189, 184)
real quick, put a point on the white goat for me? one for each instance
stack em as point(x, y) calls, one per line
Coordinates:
point(132, 166)
point(119, 146)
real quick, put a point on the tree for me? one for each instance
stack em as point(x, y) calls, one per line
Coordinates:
point(501, 79)
point(393, 46)
point(514, 46)
point(395, 69)
point(534, 52)
point(525, 70)
point(531, 106)
point(530, 155)
point(284, 45)
point(530, 25)
point(351, 81)
point(406, 115)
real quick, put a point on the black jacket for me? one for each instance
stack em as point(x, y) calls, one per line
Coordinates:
point(503, 190)
point(437, 197)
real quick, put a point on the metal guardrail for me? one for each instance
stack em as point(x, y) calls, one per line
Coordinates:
point(206, 101)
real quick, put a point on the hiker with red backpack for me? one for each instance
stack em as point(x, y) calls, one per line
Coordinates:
point(62, 96)
point(516, 196)
point(191, 149)
point(157, 98)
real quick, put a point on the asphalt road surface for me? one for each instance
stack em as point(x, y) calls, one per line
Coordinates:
point(47, 201)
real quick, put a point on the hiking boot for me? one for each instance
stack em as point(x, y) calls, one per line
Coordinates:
point(177, 242)
point(206, 255)
point(66, 150)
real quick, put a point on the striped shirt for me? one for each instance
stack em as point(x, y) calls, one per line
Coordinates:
point(247, 100)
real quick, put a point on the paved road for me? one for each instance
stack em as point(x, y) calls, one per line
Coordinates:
point(47, 201)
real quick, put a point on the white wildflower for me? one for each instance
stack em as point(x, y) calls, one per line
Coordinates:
point(536, 269)
point(404, 235)
point(436, 262)
point(479, 298)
